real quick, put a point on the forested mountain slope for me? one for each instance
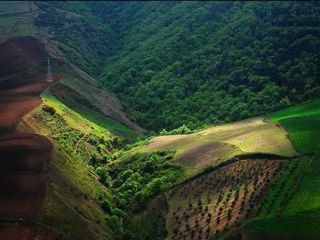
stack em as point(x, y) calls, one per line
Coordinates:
point(199, 63)
point(196, 63)
point(170, 64)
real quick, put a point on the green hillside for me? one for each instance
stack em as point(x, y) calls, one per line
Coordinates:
point(203, 63)
point(193, 63)
point(302, 122)
point(302, 209)
point(168, 120)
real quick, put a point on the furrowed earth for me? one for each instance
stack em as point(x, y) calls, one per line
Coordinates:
point(40, 183)
point(231, 178)
point(23, 155)
point(74, 163)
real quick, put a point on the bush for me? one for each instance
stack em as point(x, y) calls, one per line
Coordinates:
point(106, 207)
point(143, 175)
point(180, 130)
point(115, 224)
point(49, 109)
point(104, 176)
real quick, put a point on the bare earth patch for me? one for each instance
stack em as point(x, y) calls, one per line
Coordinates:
point(214, 145)
point(23, 156)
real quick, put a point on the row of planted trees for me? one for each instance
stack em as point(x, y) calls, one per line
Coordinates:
point(211, 204)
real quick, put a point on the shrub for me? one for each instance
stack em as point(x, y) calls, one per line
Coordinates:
point(115, 224)
point(104, 176)
point(180, 130)
point(49, 109)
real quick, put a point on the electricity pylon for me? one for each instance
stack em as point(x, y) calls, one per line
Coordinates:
point(49, 74)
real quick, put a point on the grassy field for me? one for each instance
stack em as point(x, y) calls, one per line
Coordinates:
point(303, 123)
point(214, 145)
point(302, 209)
point(74, 119)
point(103, 107)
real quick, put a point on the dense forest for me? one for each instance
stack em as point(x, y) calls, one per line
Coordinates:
point(77, 164)
point(199, 63)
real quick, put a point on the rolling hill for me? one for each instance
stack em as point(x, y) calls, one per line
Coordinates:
point(302, 123)
point(220, 178)
point(233, 85)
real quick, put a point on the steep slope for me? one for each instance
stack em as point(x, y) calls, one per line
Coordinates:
point(30, 19)
point(186, 62)
point(23, 156)
point(73, 199)
point(204, 184)
point(72, 206)
point(203, 63)
point(301, 208)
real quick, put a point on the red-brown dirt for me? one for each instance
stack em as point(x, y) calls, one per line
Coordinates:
point(23, 156)
point(23, 152)
point(25, 232)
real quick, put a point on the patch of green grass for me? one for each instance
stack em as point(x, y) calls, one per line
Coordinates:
point(102, 120)
point(304, 225)
point(283, 187)
point(74, 119)
point(310, 107)
point(303, 124)
point(300, 217)
point(72, 208)
point(307, 196)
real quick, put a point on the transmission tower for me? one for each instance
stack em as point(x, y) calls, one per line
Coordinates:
point(49, 74)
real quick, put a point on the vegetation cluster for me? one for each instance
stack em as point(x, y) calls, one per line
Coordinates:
point(195, 63)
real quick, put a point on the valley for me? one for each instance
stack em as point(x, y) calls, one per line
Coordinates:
point(164, 120)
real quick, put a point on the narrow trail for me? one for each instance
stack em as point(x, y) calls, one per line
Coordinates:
point(23, 156)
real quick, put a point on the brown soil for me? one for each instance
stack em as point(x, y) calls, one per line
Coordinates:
point(22, 195)
point(23, 156)
point(18, 232)
point(22, 152)
point(205, 154)
point(216, 201)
